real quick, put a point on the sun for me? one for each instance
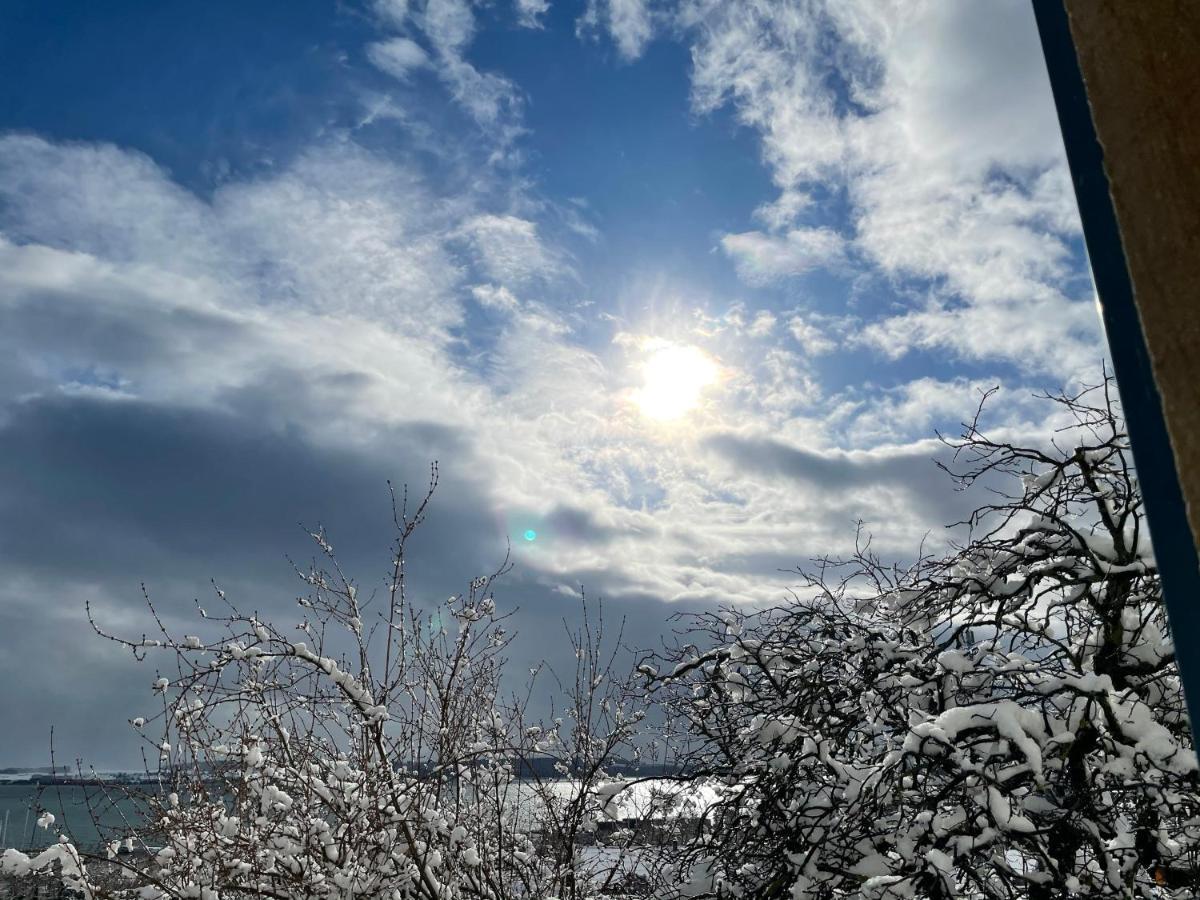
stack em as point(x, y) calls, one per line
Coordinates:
point(674, 379)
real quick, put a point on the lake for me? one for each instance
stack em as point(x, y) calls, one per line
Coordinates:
point(68, 803)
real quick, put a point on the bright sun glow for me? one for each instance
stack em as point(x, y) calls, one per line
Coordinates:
point(674, 376)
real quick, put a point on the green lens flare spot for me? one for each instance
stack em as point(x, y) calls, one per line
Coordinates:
point(530, 534)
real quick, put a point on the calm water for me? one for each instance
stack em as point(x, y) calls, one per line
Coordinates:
point(68, 803)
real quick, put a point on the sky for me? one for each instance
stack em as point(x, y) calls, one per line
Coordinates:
point(679, 290)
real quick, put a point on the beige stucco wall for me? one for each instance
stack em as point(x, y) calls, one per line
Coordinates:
point(1140, 60)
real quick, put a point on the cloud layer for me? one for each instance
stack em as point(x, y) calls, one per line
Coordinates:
point(187, 374)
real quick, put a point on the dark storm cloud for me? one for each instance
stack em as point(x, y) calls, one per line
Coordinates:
point(909, 472)
point(109, 325)
point(55, 673)
point(577, 524)
point(187, 482)
point(99, 495)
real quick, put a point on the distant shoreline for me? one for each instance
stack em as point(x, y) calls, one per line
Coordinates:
point(529, 769)
point(65, 780)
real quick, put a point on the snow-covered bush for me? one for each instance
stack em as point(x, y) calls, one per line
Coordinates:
point(366, 752)
point(1006, 721)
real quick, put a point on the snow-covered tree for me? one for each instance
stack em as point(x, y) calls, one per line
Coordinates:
point(368, 751)
point(1005, 721)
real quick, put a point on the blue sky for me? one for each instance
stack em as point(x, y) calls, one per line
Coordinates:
point(684, 287)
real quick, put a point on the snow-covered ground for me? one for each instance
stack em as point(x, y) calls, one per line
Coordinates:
point(623, 800)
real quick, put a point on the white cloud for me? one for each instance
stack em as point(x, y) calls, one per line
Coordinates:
point(574, 214)
point(763, 258)
point(397, 56)
point(781, 385)
point(763, 324)
point(937, 121)
point(765, 59)
point(495, 297)
point(530, 12)
point(342, 257)
point(810, 333)
point(449, 24)
point(393, 12)
point(969, 81)
point(784, 209)
point(491, 100)
point(913, 410)
point(71, 196)
point(1037, 331)
point(630, 24)
point(390, 260)
point(509, 248)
